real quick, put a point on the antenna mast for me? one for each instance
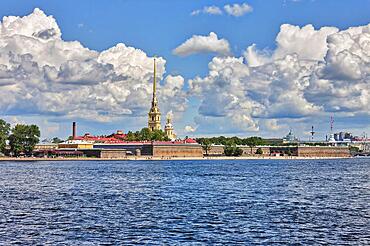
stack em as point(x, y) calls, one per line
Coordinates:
point(331, 124)
point(312, 133)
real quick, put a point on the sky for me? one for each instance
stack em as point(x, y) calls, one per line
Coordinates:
point(230, 68)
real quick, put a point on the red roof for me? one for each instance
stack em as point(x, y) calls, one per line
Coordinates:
point(112, 138)
point(120, 139)
point(190, 141)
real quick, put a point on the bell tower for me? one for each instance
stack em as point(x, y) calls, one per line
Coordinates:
point(154, 115)
point(168, 129)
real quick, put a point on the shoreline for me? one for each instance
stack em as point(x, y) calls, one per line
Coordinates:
point(31, 159)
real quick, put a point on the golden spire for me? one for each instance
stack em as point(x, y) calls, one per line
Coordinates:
point(154, 81)
point(154, 115)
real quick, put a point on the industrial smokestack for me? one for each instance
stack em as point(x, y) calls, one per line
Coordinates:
point(74, 130)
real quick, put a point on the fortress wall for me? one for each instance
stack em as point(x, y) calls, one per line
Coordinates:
point(218, 150)
point(284, 150)
point(323, 151)
point(303, 151)
point(112, 154)
point(248, 151)
point(215, 150)
point(105, 153)
point(178, 150)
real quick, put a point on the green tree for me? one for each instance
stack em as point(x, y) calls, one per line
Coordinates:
point(229, 150)
point(56, 140)
point(259, 151)
point(232, 150)
point(354, 149)
point(253, 142)
point(238, 151)
point(158, 135)
point(221, 140)
point(130, 136)
point(24, 138)
point(4, 134)
point(145, 134)
point(206, 145)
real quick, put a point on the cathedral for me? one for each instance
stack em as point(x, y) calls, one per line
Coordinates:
point(154, 120)
point(154, 115)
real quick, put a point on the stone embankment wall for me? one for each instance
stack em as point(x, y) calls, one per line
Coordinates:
point(324, 151)
point(218, 150)
point(247, 151)
point(301, 151)
point(183, 150)
point(215, 150)
point(105, 153)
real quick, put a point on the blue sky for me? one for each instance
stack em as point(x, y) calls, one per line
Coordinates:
point(157, 27)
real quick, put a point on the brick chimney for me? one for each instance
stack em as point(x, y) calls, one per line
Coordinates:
point(74, 130)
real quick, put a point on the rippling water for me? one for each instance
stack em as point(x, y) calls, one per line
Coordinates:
point(185, 202)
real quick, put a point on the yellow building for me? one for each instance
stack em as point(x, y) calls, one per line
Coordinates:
point(45, 146)
point(154, 115)
point(76, 144)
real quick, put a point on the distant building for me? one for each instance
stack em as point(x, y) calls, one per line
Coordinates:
point(290, 138)
point(331, 138)
point(76, 144)
point(119, 135)
point(45, 146)
point(343, 137)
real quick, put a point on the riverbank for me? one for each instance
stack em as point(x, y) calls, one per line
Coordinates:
point(142, 158)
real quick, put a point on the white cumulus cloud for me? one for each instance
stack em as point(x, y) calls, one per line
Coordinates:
point(235, 9)
point(306, 42)
point(203, 44)
point(295, 81)
point(211, 10)
point(238, 10)
point(190, 129)
point(41, 74)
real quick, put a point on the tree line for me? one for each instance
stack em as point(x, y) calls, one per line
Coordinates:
point(145, 134)
point(230, 144)
point(230, 141)
point(21, 138)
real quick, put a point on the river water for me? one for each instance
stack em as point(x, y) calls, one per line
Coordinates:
point(233, 202)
